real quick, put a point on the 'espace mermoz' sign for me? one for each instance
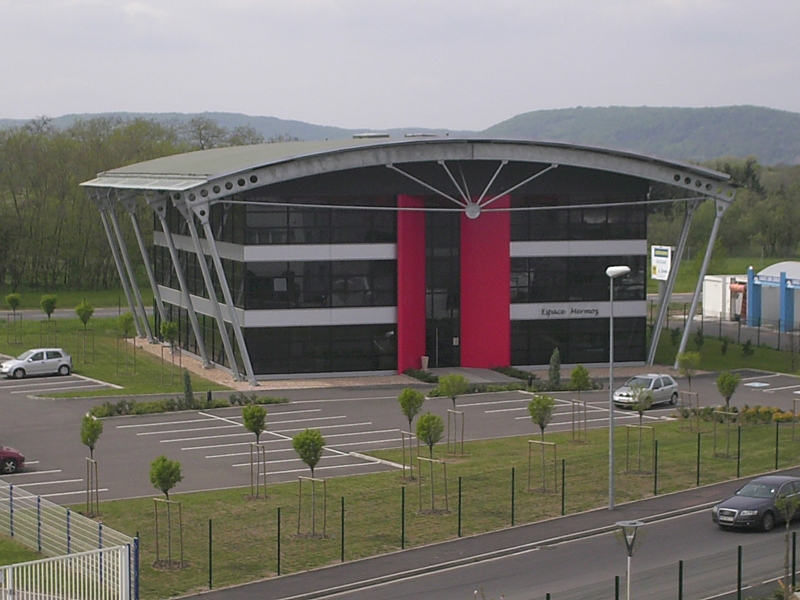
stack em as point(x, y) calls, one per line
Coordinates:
point(570, 312)
point(552, 311)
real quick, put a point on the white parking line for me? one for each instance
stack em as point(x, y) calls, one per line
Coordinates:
point(98, 382)
point(69, 493)
point(322, 427)
point(327, 437)
point(27, 485)
point(247, 453)
point(166, 431)
point(786, 387)
point(318, 468)
point(493, 402)
point(206, 437)
point(163, 423)
point(33, 472)
point(762, 377)
point(61, 389)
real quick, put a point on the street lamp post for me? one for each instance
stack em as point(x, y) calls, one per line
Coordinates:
point(629, 531)
point(612, 273)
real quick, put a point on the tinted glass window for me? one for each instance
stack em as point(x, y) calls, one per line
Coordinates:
point(38, 356)
point(52, 355)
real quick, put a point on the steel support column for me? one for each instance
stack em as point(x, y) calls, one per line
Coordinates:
point(159, 206)
point(180, 204)
point(720, 208)
point(129, 202)
point(202, 213)
point(131, 274)
point(102, 206)
point(673, 276)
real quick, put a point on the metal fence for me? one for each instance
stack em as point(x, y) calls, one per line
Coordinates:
point(58, 532)
point(94, 575)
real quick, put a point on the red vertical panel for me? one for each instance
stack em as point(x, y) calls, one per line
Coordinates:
point(410, 284)
point(486, 288)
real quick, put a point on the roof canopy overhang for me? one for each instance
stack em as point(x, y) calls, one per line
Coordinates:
point(209, 175)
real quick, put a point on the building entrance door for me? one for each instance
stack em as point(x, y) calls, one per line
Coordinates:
point(443, 288)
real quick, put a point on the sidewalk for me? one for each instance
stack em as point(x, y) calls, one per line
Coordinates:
point(403, 564)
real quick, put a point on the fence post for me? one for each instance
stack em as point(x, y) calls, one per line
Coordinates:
point(698, 459)
point(210, 555)
point(739, 574)
point(512, 500)
point(777, 441)
point(403, 518)
point(459, 507)
point(655, 469)
point(794, 559)
point(136, 567)
point(279, 541)
point(563, 486)
point(39, 522)
point(680, 580)
point(11, 509)
point(69, 533)
point(739, 451)
point(342, 528)
point(616, 587)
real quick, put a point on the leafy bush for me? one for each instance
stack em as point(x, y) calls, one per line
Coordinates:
point(149, 407)
point(513, 372)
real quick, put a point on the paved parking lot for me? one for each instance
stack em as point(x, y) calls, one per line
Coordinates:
point(53, 384)
point(214, 447)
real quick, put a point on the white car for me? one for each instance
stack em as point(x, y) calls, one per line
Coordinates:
point(39, 361)
point(662, 388)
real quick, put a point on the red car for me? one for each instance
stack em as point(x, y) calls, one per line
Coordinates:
point(11, 460)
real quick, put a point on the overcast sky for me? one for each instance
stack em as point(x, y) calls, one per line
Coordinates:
point(460, 64)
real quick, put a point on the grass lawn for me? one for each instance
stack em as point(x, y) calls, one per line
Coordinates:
point(12, 552)
point(71, 299)
point(712, 359)
point(107, 360)
point(245, 530)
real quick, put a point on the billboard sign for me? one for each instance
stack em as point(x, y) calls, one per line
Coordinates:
point(660, 262)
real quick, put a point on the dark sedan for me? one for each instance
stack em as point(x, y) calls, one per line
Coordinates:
point(756, 505)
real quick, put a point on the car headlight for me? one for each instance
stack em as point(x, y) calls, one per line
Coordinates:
point(715, 510)
point(748, 513)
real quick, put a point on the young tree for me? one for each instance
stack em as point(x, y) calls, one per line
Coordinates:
point(309, 445)
point(91, 429)
point(255, 418)
point(411, 402)
point(169, 331)
point(453, 386)
point(541, 408)
point(84, 310)
point(688, 363)
point(727, 383)
point(580, 379)
point(165, 474)
point(642, 401)
point(188, 391)
point(554, 373)
point(48, 303)
point(125, 324)
point(13, 301)
point(430, 429)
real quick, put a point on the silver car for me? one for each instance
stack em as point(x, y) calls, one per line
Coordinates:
point(662, 388)
point(39, 361)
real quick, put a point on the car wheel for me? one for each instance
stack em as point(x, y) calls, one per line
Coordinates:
point(19, 373)
point(63, 370)
point(8, 466)
point(674, 398)
point(767, 521)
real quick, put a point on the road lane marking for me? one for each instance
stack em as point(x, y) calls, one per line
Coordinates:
point(167, 431)
point(762, 376)
point(27, 485)
point(62, 389)
point(327, 437)
point(17, 474)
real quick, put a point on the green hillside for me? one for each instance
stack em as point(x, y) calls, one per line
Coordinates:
point(681, 133)
point(696, 134)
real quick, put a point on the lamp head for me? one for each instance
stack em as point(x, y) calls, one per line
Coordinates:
point(618, 271)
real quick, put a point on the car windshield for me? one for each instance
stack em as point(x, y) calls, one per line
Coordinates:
point(642, 382)
point(757, 490)
point(25, 355)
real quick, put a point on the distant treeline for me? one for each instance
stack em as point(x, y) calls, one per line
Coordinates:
point(51, 236)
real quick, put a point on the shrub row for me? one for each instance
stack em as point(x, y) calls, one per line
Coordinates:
point(147, 407)
point(747, 415)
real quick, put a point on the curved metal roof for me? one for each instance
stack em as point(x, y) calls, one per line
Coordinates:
point(220, 172)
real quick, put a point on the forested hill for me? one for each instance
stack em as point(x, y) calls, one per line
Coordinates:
point(695, 134)
point(773, 136)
